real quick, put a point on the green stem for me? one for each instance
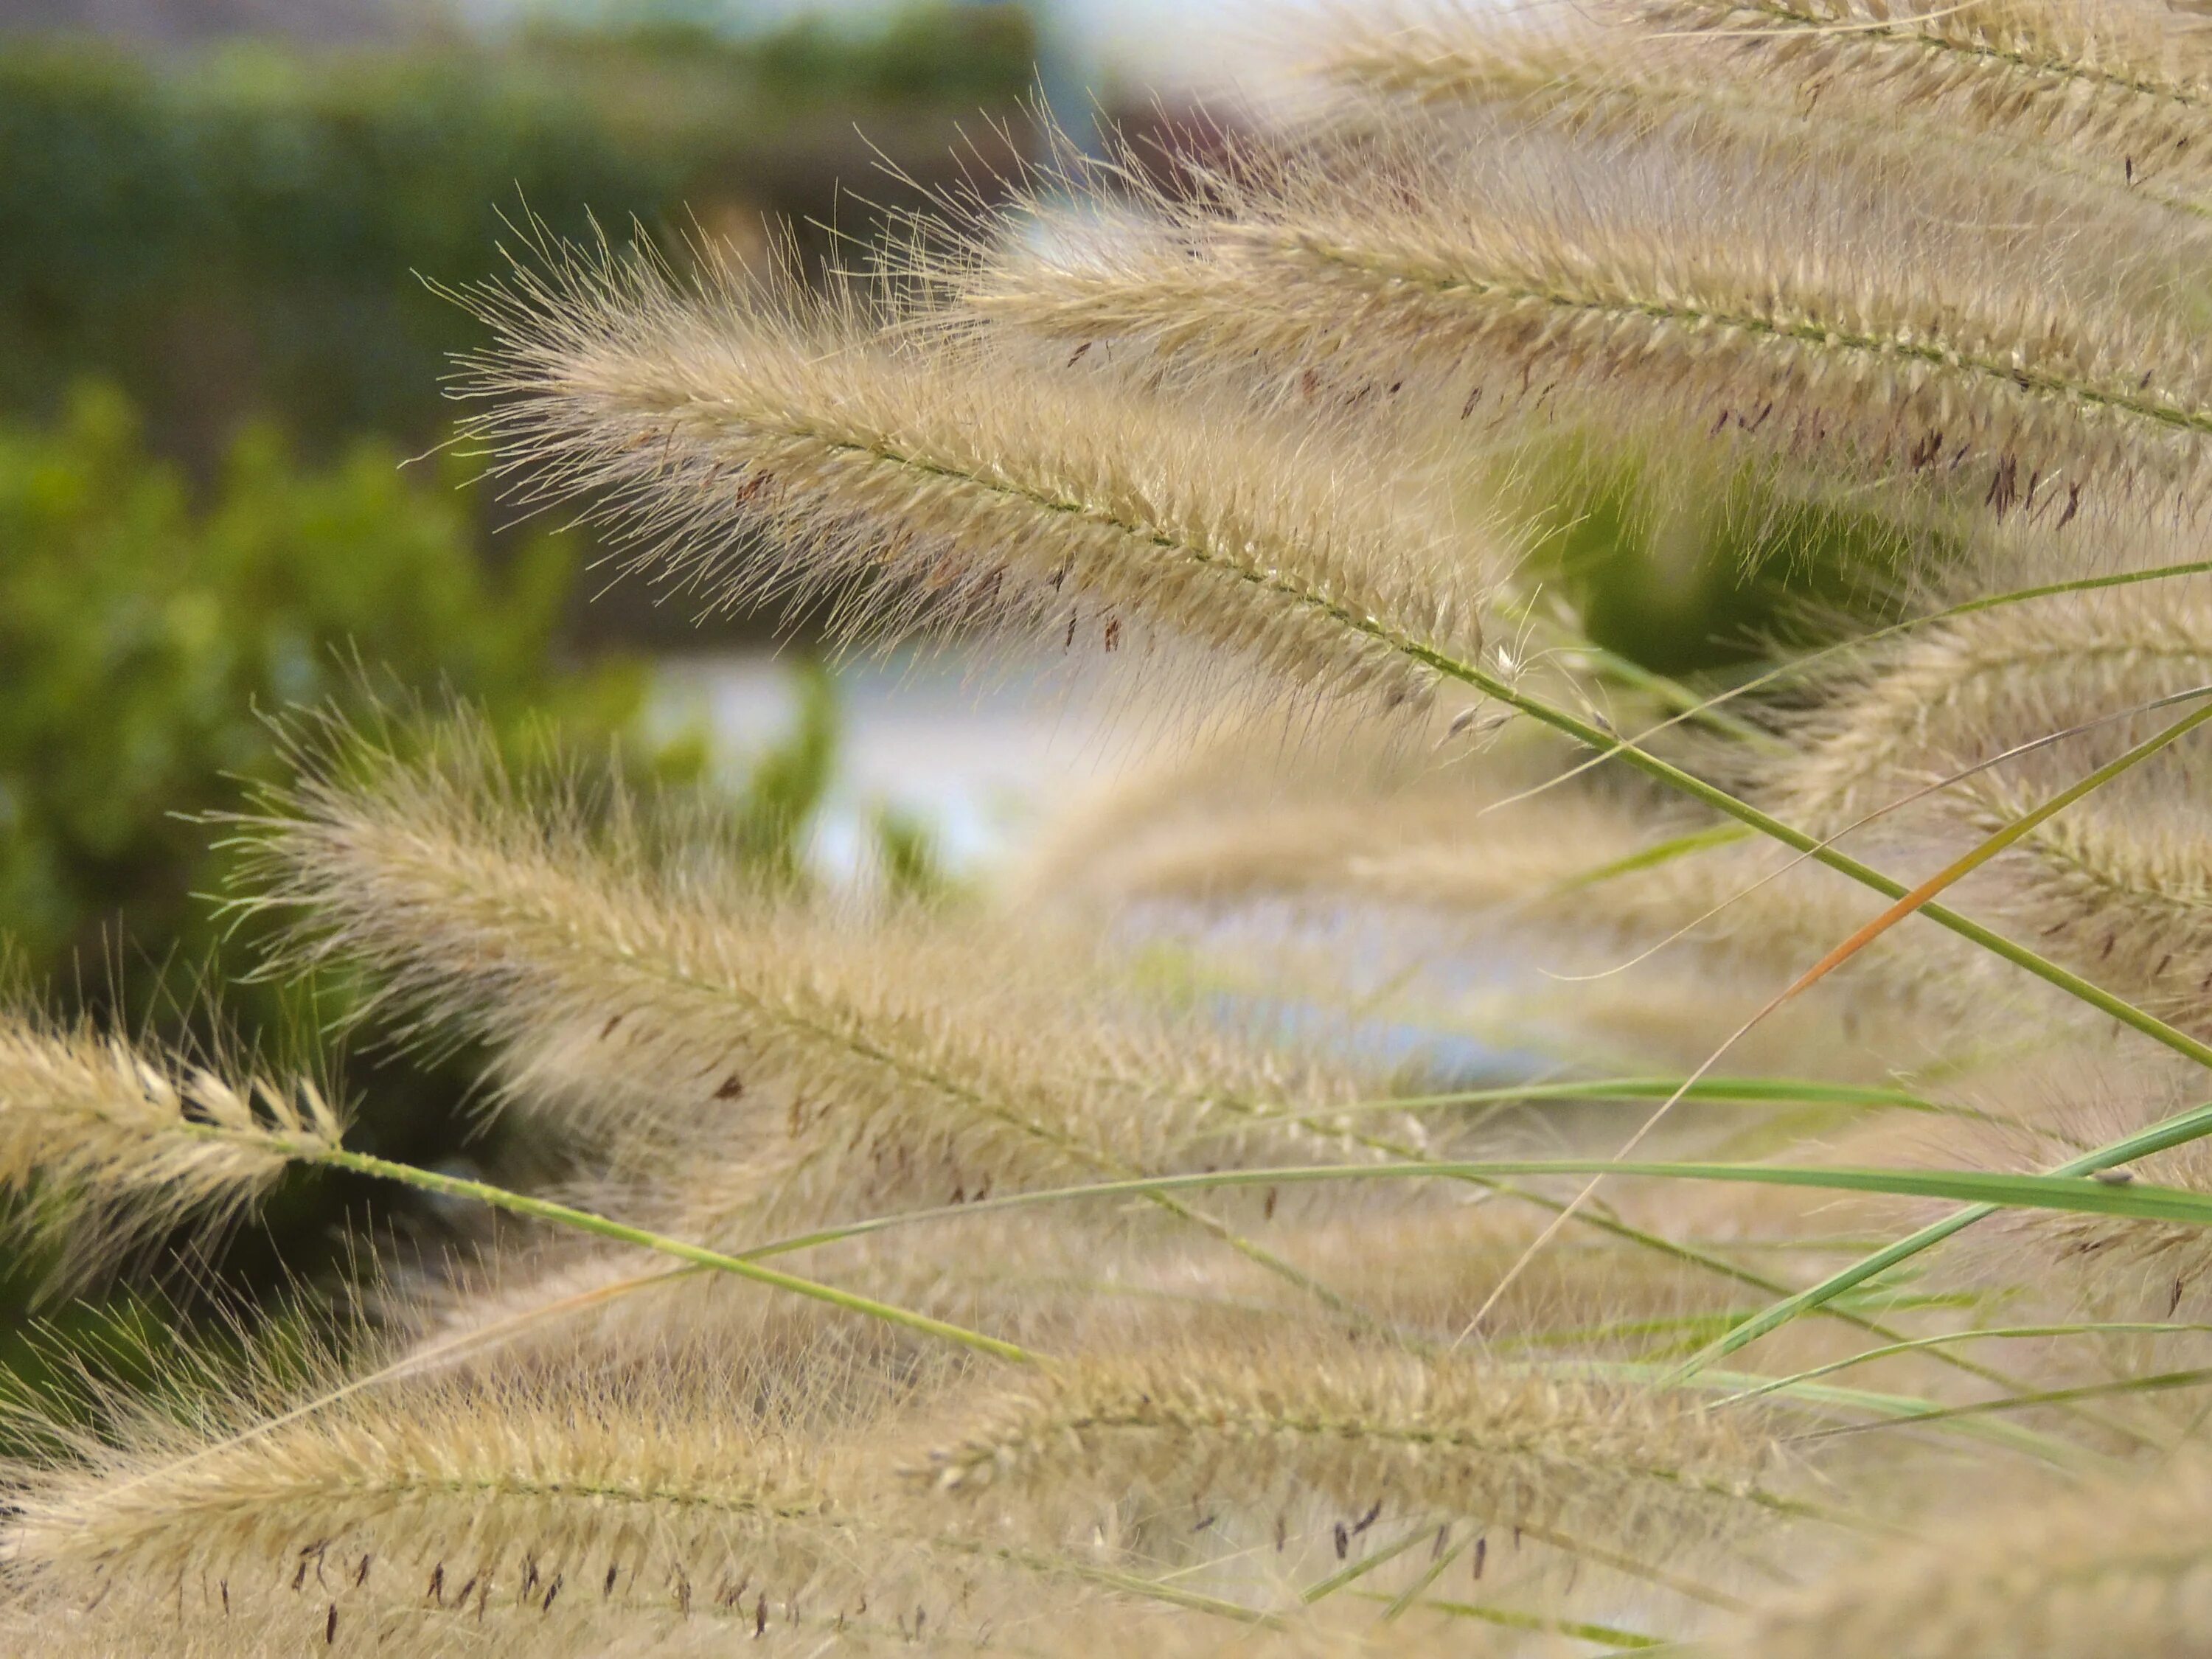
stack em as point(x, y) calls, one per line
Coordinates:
point(2175, 1131)
point(1366, 1564)
point(1565, 1212)
point(1743, 811)
point(1987, 1189)
point(1610, 1635)
point(540, 1209)
point(2162, 1383)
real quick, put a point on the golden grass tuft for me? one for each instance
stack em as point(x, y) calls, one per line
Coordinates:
point(136, 1141)
point(2109, 1567)
point(760, 1062)
point(662, 1482)
point(1394, 415)
point(2126, 86)
point(1257, 1423)
point(1802, 313)
point(772, 450)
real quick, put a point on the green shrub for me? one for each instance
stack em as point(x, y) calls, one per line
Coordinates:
point(144, 636)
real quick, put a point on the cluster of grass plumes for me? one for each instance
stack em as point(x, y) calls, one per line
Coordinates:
point(1486, 1145)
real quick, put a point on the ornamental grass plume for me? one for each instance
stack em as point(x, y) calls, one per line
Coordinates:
point(767, 1059)
point(2107, 1267)
point(2115, 884)
point(1533, 1128)
point(1246, 1423)
point(1792, 312)
point(2125, 85)
point(97, 1130)
point(459, 1491)
point(766, 448)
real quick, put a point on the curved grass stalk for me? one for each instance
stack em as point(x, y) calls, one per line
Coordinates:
point(1628, 1565)
point(538, 1209)
point(2026, 1191)
point(1358, 1569)
point(2059, 1189)
point(2175, 1131)
point(1581, 1629)
point(2046, 1449)
point(1683, 845)
point(1562, 1212)
point(2160, 1382)
point(1722, 801)
point(1442, 1560)
point(1446, 1555)
point(1702, 708)
point(1728, 1091)
point(1949, 876)
point(2003, 1333)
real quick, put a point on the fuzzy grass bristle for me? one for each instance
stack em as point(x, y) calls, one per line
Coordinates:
point(1801, 313)
point(1561, 1135)
point(639, 1482)
point(2079, 1573)
point(2125, 85)
point(769, 449)
point(1256, 1420)
point(136, 1141)
point(766, 1058)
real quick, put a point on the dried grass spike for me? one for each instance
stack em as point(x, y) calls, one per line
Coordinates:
point(770, 448)
point(134, 1141)
point(1256, 1418)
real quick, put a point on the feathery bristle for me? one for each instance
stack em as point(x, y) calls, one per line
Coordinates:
point(1259, 1419)
point(496, 1483)
point(2116, 883)
point(137, 1141)
point(771, 449)
point(329, 1619)
point(1611, 70)
point(2107, 1267)
point(2125, 85)
point(1585, 870)
point(1942, 698)
point(771, 1057)
point(1802, 313)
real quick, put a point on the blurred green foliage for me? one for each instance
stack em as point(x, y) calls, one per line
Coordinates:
point(1683, 569)
point(145, 635)
point(253, 229)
